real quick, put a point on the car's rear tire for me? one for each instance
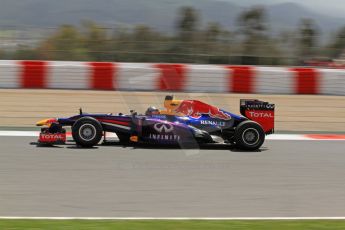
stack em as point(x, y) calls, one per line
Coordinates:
point(249, 135)
point(87, 132)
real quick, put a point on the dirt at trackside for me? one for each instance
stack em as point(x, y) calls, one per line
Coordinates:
point(22, 108)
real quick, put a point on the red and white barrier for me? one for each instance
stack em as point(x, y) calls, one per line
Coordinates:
point(171, 77)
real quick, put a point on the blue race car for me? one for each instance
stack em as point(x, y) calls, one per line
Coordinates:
point(183, 122)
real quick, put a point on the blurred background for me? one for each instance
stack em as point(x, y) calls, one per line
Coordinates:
point(252, 47)
point(249, 32)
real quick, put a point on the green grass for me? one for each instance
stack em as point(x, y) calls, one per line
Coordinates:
point(171, 225)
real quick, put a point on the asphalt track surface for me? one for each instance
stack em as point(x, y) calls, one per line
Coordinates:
point(286, 178)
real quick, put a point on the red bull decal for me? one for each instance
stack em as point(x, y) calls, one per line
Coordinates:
point(196, 109)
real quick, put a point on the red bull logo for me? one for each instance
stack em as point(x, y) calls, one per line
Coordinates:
point(196, 109)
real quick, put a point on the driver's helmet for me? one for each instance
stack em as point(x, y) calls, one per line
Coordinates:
point(152, 111)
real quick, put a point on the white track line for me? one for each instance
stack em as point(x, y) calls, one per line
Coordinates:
point(19, 133)
point(32, 134)
point(290, 137)
point(169, 218)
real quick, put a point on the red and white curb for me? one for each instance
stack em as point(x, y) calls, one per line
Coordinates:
point(307, 137)
point(292, 137)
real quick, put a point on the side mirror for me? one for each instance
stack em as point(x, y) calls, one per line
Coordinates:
point(133, 113)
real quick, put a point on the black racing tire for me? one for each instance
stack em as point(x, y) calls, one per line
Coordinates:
point(87, 132)
point(249, 135)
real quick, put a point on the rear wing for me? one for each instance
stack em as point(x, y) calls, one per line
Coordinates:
point(259, 111)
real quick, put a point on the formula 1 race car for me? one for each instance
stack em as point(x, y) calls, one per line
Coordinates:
point(183, 122)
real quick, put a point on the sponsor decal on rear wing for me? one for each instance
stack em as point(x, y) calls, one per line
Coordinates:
point(259, 111)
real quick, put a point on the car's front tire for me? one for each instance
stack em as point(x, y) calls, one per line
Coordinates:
point(249, 135)
point(87, 132)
